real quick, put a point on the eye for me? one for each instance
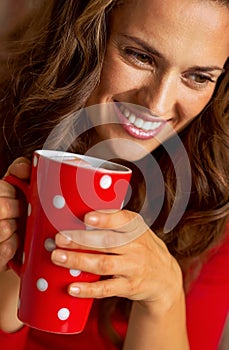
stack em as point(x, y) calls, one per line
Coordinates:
point(198, 80)
point(201, 78)
point(138, 57)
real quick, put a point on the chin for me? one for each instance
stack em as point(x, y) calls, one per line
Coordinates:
point(121, 148)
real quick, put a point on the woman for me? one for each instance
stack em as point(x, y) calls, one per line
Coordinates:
point(164, 65)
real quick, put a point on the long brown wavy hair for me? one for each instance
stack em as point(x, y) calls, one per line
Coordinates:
point(50, 65)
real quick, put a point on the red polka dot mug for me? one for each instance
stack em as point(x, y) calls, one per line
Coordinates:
point(63, 188)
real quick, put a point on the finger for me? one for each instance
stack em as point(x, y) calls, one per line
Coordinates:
point(100, 264)
point(109, 219)
point(97, 240)
point(119, 220)
point(111, 229)
point(101, 289)
point(7, 251)
point(7, 190)
point(7, 228)
point(103, 240)
point(10, 208)
point(20, 168)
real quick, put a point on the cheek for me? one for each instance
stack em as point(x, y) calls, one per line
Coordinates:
point(192, 106)
point(106, 88)
point(117, 77)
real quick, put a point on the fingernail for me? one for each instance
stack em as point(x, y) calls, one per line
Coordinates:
point(59, 256)
point(91, 219)
point(74, 290)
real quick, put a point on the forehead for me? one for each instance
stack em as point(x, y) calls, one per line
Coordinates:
point(176, 8)
point(201, 25)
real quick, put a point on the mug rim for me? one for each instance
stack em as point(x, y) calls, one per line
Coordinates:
point(53, 154)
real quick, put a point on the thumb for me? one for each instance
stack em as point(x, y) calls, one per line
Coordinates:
point(20, 168)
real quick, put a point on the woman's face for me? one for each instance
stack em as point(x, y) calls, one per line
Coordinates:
point(162, 62)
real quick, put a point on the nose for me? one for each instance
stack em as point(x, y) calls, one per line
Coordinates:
point(160, 95)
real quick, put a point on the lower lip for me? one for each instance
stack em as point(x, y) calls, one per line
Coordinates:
point(134, 131)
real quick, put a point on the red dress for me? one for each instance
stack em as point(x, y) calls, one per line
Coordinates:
point(207, 308)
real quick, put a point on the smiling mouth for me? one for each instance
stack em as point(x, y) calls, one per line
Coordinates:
point(138, 124)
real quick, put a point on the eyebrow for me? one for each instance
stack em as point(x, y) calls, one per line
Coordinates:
point(153, 51)
point(207, 69)
point(143, 44)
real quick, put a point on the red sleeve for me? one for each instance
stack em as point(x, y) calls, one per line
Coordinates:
point(208, 301)
point(12, 341)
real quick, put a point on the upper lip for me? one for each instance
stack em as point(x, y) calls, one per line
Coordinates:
point(141, 112)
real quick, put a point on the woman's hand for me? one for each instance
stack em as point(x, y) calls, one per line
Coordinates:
point(142, 269)
point(11, 209)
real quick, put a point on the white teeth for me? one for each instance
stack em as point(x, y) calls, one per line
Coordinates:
point(121, 107)
point(147, 126)
point(126, 113)
point(156, 125)
point(132, 118)
point(138, 122)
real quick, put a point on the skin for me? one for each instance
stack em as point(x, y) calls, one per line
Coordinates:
point(10, 210)
point(168, 84)
point(173, 82)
